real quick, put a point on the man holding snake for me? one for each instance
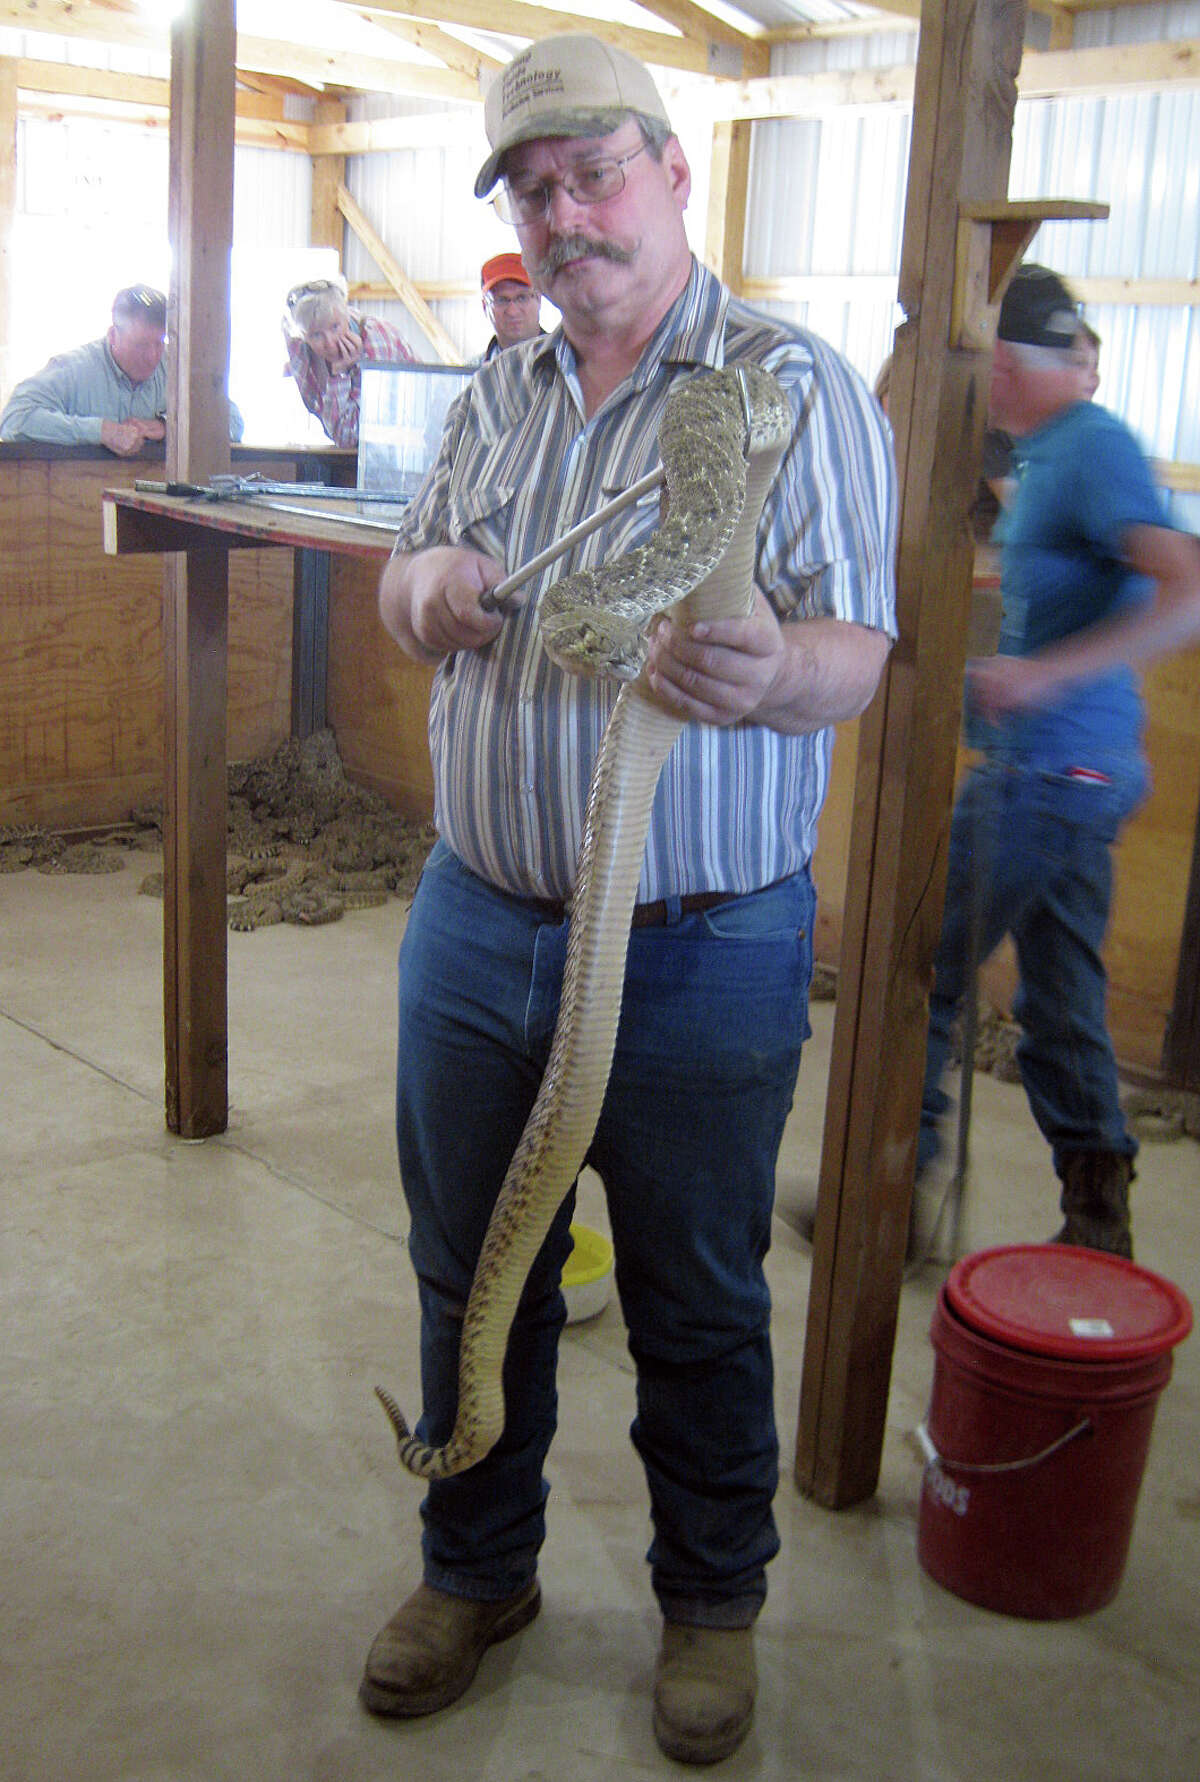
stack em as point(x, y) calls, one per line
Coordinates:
point(720, 956)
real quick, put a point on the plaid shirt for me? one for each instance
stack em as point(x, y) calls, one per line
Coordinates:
point(334, 398)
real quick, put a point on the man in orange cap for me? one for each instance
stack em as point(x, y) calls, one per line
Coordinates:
point(510, 303)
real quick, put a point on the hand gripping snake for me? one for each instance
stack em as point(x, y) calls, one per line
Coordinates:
point(721, 438)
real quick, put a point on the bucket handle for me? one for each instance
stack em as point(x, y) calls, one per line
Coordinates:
point(933, 1458)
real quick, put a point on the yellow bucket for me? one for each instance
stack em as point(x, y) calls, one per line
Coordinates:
point(587, 1277)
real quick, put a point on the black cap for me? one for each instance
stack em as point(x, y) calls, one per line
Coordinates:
point(140, 303)
point(1038, 310)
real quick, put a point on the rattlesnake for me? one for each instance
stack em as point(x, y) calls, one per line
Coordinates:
point(721, 438)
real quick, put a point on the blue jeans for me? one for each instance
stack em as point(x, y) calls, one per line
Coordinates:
point(708, 1048)
point(1030, 856)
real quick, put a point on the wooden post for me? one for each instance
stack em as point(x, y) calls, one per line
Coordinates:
point(8, 206)
point(325, 227)
point(196, 584)
point(965, 96)
point(728, 186)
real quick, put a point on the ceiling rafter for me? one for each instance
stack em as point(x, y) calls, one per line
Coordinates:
point(453, 51)
point(691, 20)
point(524, 21)
point(61, 80)
point(114, 21)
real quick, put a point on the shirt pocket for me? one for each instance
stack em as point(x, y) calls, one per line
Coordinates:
point(478, 515)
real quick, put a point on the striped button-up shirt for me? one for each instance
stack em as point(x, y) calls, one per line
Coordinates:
point(513, 737)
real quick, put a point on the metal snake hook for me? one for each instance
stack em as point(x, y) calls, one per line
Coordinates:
point(494, 599)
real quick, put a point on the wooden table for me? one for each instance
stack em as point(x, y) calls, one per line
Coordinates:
point(195, 941)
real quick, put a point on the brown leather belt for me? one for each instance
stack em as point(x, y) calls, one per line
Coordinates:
point(645, 915)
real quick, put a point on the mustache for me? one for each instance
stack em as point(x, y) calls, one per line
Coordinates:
point(565, 248)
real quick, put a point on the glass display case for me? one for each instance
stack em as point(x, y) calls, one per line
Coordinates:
point(401, 414)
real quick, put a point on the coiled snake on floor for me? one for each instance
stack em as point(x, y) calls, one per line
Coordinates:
point(721, 437)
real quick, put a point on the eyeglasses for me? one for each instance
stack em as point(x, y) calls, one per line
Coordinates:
point(517, 302)
point(524, 201)
point(312, 287)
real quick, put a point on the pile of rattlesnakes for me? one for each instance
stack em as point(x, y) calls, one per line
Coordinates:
point(304, 844)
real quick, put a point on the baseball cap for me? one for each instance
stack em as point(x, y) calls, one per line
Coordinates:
point(568, 85)
point(1038, 310)
point(501, 267)
point(140, 302)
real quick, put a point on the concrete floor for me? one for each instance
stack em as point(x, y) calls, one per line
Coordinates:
point(203, 1522)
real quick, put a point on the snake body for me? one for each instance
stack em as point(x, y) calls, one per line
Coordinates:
point(721, 438)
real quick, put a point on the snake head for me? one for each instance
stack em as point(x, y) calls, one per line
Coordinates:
point(769, 419)
point(594, 642)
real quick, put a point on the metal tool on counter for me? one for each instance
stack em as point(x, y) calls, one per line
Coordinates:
point(238, 488)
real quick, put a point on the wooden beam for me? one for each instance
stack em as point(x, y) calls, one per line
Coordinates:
point(730, 50)
point(728, 189)
point(1062, 25)
point(967, 61)
point(450, 50)
point(104, 21)
point(433, 290)
point(895, 9)
point(1184, 478)
point(850, 287)
point(515, 18)
point(382, 135)
point(56, 89)
point(399, 280)
point(8, 208)
point(1050, 74)
point(991, 243)
point(819, 30)
point(196, 583)
point(248, 132)
point(1164, 293)
point(315, 66)
point(374, 73)
point(328, 178)
point(62, 80)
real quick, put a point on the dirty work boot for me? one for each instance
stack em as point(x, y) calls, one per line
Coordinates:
point(704, 1688)
point(429, 1651)
point(1095, 1199)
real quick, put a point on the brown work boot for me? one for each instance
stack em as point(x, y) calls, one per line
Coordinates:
point(429, 1651)
point(1095, 1199)
point(704, 1688)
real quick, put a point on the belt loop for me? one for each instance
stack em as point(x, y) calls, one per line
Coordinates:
point(672, 911)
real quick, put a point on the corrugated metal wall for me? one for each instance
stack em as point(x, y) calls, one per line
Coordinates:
point(1140, 153)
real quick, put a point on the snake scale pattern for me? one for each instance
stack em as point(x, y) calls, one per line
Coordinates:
point(721, 437)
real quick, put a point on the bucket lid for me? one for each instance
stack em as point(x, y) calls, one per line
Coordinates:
point(1069, 1303)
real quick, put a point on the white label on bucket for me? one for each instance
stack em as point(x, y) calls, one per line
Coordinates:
point(1091, 1327)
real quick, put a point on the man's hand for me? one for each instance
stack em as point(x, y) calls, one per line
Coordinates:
point(429, 601)
point(997, 685)
point(794, 678)
point(717, 671)
point(126, 438)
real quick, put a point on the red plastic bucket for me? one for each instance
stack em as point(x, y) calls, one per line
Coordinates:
point(1049, 1362)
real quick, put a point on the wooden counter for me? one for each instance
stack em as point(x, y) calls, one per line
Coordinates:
point(376, 699)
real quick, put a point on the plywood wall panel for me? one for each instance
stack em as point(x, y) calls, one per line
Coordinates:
point(81, 671)
point(378, 699)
